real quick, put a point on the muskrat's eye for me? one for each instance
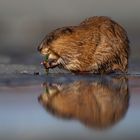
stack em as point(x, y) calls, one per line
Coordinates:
point(67, 30)
point(50, 39)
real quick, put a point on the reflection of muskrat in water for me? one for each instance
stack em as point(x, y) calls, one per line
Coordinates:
point(97, 45)
point(97, 104)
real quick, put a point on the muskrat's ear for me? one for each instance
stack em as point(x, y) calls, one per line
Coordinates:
point(67, 30)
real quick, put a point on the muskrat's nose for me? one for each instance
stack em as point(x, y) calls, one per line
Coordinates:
point(39, 48)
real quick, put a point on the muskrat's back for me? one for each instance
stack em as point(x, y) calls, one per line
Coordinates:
point(97, 45)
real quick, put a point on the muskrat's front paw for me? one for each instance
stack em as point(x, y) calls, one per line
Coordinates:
point(48, 64)
point(45, 64)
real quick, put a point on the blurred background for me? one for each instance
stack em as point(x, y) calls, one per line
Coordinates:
point(23, 24)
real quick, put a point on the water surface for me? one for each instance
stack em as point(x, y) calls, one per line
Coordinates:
point(70, 107)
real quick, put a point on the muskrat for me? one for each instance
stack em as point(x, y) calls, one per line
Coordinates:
point(97, 45)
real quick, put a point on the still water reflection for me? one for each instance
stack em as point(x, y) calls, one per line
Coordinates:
point(100, 103)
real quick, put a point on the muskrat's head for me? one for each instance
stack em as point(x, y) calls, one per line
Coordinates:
point(47, 45)
point(51, 90)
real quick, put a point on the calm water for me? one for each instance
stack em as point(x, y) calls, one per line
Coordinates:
point(70, 107)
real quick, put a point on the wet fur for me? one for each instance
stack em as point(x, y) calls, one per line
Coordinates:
point(97, 45)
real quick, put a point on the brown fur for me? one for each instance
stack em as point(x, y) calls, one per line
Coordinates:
point(97, 104)
point(97, 45)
